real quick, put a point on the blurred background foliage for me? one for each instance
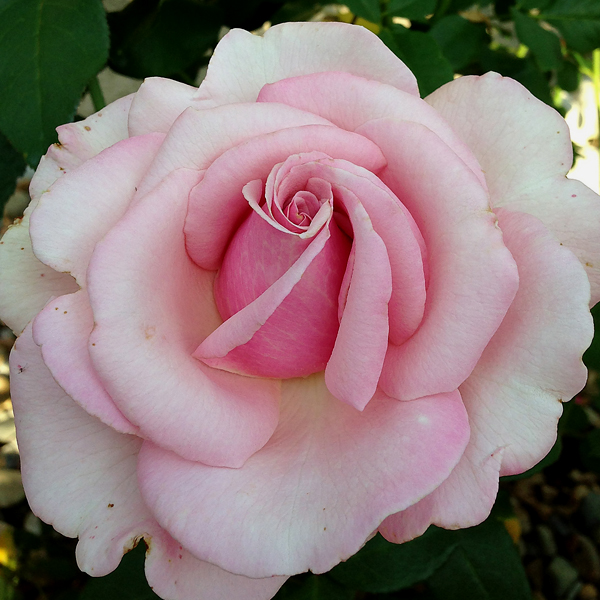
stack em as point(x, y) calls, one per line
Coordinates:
point(543, 535)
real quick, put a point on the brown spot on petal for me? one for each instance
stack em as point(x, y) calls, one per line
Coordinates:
point(87, 127)
point(150, 332)
point(589, 264)
point(111, 505)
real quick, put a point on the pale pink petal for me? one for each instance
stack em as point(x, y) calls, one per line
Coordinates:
point(152, 308)
point(157, 104)
point(514, 395)
point(81, 141)
point(472, 278)
point(86, 203)
point(80, 476)
point(243, 63)
point(317, 490)
point(525, 150)
point(353, 370)
point(286, 324)
point(349, 101)
point(198, 137)
point(62, 330)
point(217, 205)
point(176, 574)
point(27, 284)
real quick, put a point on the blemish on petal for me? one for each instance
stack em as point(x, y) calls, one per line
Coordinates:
point(87, 127)
point(111, 505)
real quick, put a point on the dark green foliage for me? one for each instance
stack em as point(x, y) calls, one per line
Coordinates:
point(50, 49)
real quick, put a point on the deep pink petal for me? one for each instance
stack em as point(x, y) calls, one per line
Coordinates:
point(87, 202)
point(157, 104)
point(393, 223)
point(473, 277)
point(198, 137)
point(349, 101)
point(525, 149)
point(217, 205)
point(317, 490)
point(285, 320)
point(152, 307)
point(80, 476)
point(243, 63)
point(62, 330)
point(353, 370)
point(514, 395)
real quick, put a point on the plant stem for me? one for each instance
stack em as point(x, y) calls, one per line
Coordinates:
point(96, 93)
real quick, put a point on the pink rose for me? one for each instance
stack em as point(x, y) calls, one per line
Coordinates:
point(265, 318)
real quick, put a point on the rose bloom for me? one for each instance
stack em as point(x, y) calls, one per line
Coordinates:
point(263, 319)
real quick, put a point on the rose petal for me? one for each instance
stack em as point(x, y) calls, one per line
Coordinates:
point(86, 203)
point(353, 370)
point(27, 283)
point(62, 330)
point(525, 149)
point(285, 320)
point(218, 129)
point(317, 490)
point(80, 476)
point(157, 104)
point(217, 206)
point(243, 63)
point(513, 395)
point(152, 307)
point(349, 101)
point(473, 277)
point(81, 141)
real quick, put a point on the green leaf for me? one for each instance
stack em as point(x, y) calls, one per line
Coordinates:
point(296, 10)
point(567, 76)
point(12, 166)
point(544, 44)
point(127, 582)
point(484, 565)
point(578, 21)
point(162, 37)
point(422, 55)
point(460, 40)
point(50, 49)
point(367, 9)
point(385, 567)
point(590, 451)
point(416, 10)
point(313, 587)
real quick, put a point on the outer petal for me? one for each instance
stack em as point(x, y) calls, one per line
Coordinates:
point(152, 307)
point(27, 284)
point(242, 63)
point(85, 205)
point(473, 277)
point(524, 148)
point(514, 395)
point(317, 490)
point(198, 137)
point(217, 205)
point(81, 141)
point(62, 330)
point(174, 573)
point(349, 101)
point(80, 476)
point(157, 104)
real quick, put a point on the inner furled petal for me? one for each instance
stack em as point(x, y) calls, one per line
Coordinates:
point(302, 208)
point(278, 294)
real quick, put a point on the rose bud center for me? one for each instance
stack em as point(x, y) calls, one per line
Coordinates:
point(284, 268)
